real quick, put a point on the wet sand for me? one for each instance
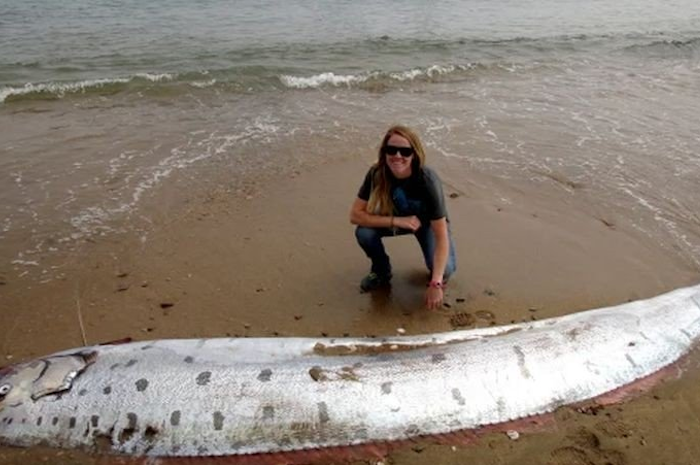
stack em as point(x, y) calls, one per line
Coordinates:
point(283, 262)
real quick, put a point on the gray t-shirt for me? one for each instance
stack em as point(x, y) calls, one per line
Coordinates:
point(420, 194)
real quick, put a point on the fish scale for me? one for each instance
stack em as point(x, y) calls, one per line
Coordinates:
point(238, 396)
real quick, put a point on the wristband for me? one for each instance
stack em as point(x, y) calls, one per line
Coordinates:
point(436, 284)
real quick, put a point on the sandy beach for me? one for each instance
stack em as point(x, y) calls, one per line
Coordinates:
point(281, 260)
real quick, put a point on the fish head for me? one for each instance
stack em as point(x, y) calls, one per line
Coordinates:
point(38, 378)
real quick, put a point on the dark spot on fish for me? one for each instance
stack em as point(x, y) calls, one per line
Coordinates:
point(39, 420)
point(175, 449)
point(175, 418)
point(323, 412)
point(237, 445)
point(317, 374)
point(501, 407)
point(631, 344)
point(203, 378)
point(631, 360)
point(521, 361)
point(54, 421)
point(202, 450)
point(437, 358)
point(457, 395)
point(150, 433)
point(107, 390)
point(71, 423)
point(268, 412)
point(147, 346)
point(189, 359)
point(141, 384)
point(131, 363)
point(348, 374)
point(103, 443)
point(115, 366)
point(386, 387)
point(94, 421)
point(127, 433)
point(412, 430)
point(218, 421)
point(82, 392)
point(9, 420)
point(265, 375)
point(133, 420)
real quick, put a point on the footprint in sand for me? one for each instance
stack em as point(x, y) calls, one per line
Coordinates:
point(461, 319)
point(586, 450)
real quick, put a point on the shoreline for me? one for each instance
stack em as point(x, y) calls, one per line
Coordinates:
point(283, 262)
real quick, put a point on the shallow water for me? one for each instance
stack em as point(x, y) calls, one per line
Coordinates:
point(115, 113)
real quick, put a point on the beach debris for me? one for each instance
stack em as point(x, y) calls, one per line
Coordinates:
point(122, 274)
point(607, 223)
point(298, 317)
point(532, 309)
point(454, 195)
point(485, 315)
point(489, 292)
point(460, 300)
point(401, 330)
point(513, 435)
point(590, 409)
point(122, 287)
point(166, 304)
point(144, 284)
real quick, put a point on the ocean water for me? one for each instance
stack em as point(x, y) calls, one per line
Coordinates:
point(110, 110)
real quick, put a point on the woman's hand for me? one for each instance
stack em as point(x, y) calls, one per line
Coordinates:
point(411, 223)
point(434, 297)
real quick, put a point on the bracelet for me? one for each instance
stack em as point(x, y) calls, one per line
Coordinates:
point(436, 284)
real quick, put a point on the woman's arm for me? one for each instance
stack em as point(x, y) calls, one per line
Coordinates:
point(361, 217)
point(434, 295)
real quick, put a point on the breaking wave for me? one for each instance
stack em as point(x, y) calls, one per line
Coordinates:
point(428, 74)
point(56, 90)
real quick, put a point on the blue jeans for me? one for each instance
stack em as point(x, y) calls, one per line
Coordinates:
point(370, 239)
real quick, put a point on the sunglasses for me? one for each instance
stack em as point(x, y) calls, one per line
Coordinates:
point(393, 150)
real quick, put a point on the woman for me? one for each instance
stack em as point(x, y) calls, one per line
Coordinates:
point(400, 195)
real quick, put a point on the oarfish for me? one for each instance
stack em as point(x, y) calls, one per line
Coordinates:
point(235, 396)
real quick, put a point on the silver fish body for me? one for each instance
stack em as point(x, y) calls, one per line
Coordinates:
point(243, 396)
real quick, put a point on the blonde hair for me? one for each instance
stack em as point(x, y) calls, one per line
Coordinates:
point(380, 201)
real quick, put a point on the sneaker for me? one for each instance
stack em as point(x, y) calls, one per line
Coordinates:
point(374, 281)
